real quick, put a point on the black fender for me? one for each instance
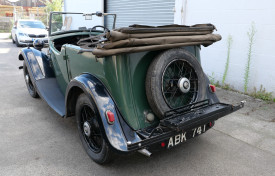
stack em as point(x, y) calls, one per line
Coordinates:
point(117, 134)
point(38, 63)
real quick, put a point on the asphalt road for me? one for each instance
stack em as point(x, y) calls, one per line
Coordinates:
point(34, 140)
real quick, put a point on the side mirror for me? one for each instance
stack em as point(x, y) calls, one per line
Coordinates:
point(38, 44)
point(47, 28)
point(14, 27)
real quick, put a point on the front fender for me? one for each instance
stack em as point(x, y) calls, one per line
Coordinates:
point(37, 62)
point(95, 90)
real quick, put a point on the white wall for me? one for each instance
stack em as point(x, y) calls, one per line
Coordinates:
point(235, 17)
point(85, 6)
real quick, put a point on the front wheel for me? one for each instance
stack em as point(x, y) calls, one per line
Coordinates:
point(16, 42)
point(12, 39)
point(30, 86)
point(90, 132)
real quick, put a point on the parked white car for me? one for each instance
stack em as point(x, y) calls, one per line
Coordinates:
point(25, 32)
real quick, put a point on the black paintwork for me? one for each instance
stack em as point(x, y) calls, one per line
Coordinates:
point(171, 126)
point(49, 90)
point(42, 76)
point(94, 89)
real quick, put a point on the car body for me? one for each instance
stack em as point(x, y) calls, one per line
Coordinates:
point(25, 31)
point(113, 97)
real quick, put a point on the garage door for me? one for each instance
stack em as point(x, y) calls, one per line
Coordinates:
point(146, 12)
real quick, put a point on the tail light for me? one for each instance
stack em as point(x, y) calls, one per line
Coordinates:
point(212, 88)
point(110, 117)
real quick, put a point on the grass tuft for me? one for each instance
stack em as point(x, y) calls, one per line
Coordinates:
point(262, 94)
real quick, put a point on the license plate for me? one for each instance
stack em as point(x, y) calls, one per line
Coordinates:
point(182, 137)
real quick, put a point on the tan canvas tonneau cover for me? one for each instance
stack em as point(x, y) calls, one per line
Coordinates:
point(137, 38)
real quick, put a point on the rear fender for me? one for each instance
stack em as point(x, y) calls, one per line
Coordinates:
point(210, 95)
point(116, 134)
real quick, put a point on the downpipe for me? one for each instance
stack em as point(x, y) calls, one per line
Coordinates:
point(145, 152)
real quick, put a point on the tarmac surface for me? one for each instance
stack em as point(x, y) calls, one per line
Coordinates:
point(34, 140)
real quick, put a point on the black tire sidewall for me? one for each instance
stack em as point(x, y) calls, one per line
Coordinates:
point(154, 78)
point(16, 41)
point(104, 155)
point(33, 92)
point(12, 39)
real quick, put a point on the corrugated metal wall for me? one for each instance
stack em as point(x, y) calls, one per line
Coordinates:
point(146, 12)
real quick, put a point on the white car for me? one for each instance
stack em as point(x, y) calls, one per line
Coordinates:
point(25, 32)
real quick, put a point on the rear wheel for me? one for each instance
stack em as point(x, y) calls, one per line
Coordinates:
point(174, 79)
point(90, 132)
point(30, 86)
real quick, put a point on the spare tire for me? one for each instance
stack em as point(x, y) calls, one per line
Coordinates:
point(174, 79)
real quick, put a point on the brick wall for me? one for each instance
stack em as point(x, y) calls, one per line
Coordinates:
point(5, 24)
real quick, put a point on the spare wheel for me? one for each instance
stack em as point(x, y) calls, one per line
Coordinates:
point(174, 79)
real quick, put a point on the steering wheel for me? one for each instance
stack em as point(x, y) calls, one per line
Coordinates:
point(105, 28)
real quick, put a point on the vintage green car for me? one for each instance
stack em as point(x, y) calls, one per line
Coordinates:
point(138, 88)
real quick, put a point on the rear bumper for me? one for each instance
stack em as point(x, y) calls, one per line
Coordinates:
point(184, 120)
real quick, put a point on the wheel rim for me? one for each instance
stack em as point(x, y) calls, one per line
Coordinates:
point(90, 129)
point(179, 84)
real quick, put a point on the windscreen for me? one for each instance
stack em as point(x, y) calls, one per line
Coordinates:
point(31, 24)
point(65, 22)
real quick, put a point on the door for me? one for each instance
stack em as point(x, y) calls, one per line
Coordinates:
point(59, 60)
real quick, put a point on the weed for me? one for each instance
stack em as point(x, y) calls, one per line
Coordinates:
point(251, 34)
point(229, 43)
point(226, 87)
point(262, 94)
point(212, 78)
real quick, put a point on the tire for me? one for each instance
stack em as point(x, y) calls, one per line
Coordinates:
point(16, 42)
point(30, 86)
point(95, 145)
point(12, 39)
point(164, 90)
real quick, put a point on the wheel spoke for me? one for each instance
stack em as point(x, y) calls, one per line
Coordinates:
point(94, 140)
point(173, 96)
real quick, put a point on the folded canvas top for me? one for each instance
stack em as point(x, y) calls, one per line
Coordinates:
point(137, 38)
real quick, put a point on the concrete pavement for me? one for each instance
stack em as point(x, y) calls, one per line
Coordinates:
point(34, 140)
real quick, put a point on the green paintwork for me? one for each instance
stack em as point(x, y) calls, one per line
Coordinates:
point(123, 75)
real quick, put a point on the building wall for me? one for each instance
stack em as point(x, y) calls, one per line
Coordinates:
point(234, 18)
point(85, 6)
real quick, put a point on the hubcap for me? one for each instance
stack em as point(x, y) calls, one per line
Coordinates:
point(87, 128)
point(184, 85)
